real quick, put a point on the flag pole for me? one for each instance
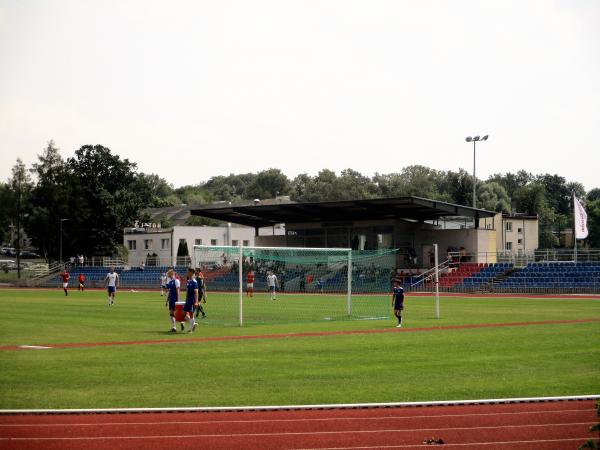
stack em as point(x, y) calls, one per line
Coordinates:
point(574, 228)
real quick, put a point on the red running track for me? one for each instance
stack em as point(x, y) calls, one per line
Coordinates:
point(518, 426)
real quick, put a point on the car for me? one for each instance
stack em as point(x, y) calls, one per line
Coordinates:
point(28, 254)
point(9, 251)
point(8, 264)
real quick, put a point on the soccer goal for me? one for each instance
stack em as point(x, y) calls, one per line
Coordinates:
point(312, 284)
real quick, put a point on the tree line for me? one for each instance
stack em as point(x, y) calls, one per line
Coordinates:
point(95, 194)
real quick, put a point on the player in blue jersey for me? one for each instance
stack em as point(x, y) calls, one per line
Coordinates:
point(172, 285)
point(191, 299)
point(398, 301)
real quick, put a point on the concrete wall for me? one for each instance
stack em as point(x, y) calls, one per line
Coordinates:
point(204, 235)
point(522, 233)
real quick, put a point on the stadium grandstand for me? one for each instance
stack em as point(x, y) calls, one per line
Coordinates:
point(387, 237)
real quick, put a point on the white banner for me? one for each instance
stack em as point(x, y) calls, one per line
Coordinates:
point(581, 230)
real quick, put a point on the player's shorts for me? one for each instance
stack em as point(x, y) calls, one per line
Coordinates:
point(112, 289)
point(250, 285)
point(81, 284)
point(188, 307)
point(271, 288)
point(171, 306)
point(163, 286)
point(398, 306)
point(66, 285)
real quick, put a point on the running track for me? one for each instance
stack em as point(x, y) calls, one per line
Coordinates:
point(506, 426)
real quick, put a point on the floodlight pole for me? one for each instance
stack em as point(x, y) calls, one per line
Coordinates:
point(474, 140)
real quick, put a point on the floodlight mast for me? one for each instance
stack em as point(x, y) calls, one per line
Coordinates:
point(474, 140)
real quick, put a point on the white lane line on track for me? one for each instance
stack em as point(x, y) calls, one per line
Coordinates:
point(446, 445)
point(299, 419)
point(289, 433)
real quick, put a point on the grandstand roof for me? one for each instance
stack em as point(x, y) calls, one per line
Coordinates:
point(411, 208)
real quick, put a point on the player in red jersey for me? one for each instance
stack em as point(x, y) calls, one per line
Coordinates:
point(250, 284)
point(81, 282)
point(65, 279)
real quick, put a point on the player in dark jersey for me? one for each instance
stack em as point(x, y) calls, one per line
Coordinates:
point(172, 286)
point(191, 299)
point(201, 293)
point(398, 301)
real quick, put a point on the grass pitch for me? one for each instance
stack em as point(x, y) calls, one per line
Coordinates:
point(438, 364)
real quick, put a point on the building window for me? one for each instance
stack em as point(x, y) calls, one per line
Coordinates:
point(198, 242)
point(213, 242)
point(235, 242)
point(508, 226)
point(164, 243)
point(520, 230)
point(147, 244)
point(246, 243)
point(520, 241)
point(132, 245)
point(509, 246)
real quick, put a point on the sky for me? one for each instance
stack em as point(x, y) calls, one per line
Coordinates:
point(194, 89)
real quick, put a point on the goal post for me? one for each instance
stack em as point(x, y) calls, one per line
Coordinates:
point(312, 283)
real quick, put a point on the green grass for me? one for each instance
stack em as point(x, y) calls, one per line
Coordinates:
point(441, 364)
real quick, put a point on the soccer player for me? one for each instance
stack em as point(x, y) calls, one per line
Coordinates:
point(163, 284)
point(65, 278)
point(81, 282)
point(250, 284)
point(111, 281)
point(272, 284)
point(191, 299)
point(172, 285)
point(201, 292)
point(398, 301)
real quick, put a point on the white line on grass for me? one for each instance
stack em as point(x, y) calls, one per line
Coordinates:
point(299, 419)
point(303, 407)
point(35, 347)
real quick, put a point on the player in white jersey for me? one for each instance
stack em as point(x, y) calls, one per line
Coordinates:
point(163, 283)
point(272, 284)
point(111, 281)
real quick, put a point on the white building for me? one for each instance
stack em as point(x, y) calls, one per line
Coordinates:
point(160, 245)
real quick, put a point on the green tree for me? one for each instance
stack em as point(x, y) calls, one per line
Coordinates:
point(198, 221)
point(104, 185)
point(268, 184)
point(52, 198)
point(229, 188)
point(459, 187)
point(593, 195)
point(154, 191)
point(315, 189)
point(558, 194)
point(593, 212)
point(493, 197)
point(18, 206)
point(5, 212)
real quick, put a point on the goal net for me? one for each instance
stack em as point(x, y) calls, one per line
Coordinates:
point(312, 284)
